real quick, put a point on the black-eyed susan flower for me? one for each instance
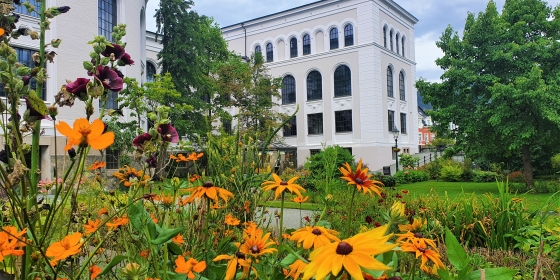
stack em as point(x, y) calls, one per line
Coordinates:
point(209, 191)
point(128, 174)
point(235, 262)
point(351, 254)
point(83, 134)
point(300, 199)
point(256, 244)
point(315, 236)
point(360, 179)
point(280, 186)
point(415, 226)
point(296, 269)
point(422, 250)
point(417, 238)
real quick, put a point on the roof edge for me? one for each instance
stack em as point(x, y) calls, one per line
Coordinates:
point(401, 10)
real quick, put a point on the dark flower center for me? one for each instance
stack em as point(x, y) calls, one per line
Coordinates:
point(316, 232)
point(131, 176)
point(255, 249)
point(418, 235)
point(283, 183)
point(240, 255)
point(208, 184)
point(359, 181)
point(422, 250)
point(344, 248)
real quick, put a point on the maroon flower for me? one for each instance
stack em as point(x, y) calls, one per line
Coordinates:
point(117, 50)
point(121, 75)
point(369, 220)
point(168, 133)
point(109, 78)
point(152, 161)
point(78, 88)
point(141, 139)
point(126, 60)
point(25, 80)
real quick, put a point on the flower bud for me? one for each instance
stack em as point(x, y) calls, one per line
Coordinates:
point(53, 111)
point(93, 55)
point(55, 43)
point(23, 71)
point(72, 153)
point(153, 132)
point(397, 210)
point(88, 65)
point(34, 35)
point(26, 148)
point(3, 65)
point(98, 48)
point(105, 61)
point(63, 9)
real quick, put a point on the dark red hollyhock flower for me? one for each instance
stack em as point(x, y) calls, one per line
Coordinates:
point(78, 87)
point(369, 220)
point(121, 75)
point(126, 60)
point(140, 139)
point(117, 50)
point(109, 78)
point(152, 161)
point(168, 133)
point(25, 80)
point(63, 9)
point(32, 111)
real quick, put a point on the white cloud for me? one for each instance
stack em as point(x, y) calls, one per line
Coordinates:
point(426, 53)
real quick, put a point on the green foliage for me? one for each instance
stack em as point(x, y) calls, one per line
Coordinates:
point(433, 168)
point(485, 176)
point(326, 163)
point(388, 181)
point(408, 176)
point(406, 160)
point(451, 173)
point(555, 160)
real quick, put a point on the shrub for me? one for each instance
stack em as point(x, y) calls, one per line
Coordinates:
point(323, 167)
point(407, 160)
point(433, 169)
point(485, 176)
point(451, 173)
point(388, 181)
point(516, 177)
point(411, 176)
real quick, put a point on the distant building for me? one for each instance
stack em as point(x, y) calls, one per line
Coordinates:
point(425, 135)
point(349, 65)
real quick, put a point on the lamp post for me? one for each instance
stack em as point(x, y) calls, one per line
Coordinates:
point(396, 136)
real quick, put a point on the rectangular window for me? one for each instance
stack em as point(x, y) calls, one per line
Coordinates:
point(343, 121)
point(391, 120)
point(290, 129)
point(426, 137)
point(314, 151)
point(349, 149)
point(226, 124)
point(420, 137)
point(433, 136)
point(403, 123)
point(25, 57)
point(107, 18)
point(112, 158)
point(111, 101)
point(20, 9)
point(315, 123)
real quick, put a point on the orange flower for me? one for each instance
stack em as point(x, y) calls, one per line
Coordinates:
point(296, 269)
point(68, 246)
point(300, 199)
point(280, 186)
point(315, 236)
point(97, 165)
point(235, 262)
point(257, 244)
point(190, 266)
point(360, 179)
point(210, 191)
point(182, 158)
point(246, 206)
point(422, 250)
point(83, 134)
point(103, 211)
point(194, 177)
point(94, 271)
point(92, 226)
point(178, 239)
point(118, 222)
point(231, 220)
point(154, 218)
point(166, 200)
point(145, 254)
point(127, 175)
point(11, 242)
point(2, 31)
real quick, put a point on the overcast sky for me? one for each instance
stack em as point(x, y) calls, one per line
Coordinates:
point(433, 16)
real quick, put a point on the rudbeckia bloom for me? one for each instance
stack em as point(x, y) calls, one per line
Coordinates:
point(422, 250)
point(296, 269)
point(256, 244)
point(352, 254)
point(83, 133)
point(235, 262)
point(210, 191)
point(280, 186)
point(92, 226)
point(300, 199)
point(128, 174)
point(417, 238)
point(360, 178)
point(190, 266)
point(414, 227)
point(314, 236)
point(68, 246)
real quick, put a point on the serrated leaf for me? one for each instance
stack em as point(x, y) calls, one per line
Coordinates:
point(455, 252)
point(166, 235)
point(116, 260)
point(497, 273)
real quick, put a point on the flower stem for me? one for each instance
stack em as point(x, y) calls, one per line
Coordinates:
point(281, 219)
point(350, 208)
point(411, 276)
point(300, 222)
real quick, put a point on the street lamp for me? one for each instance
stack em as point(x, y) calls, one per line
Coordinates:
point(396, 136)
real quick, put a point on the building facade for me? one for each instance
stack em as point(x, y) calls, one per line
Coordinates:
point(349, 66)
point(76, 28)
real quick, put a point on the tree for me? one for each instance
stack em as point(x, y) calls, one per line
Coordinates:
point(192, 48)
point(500, 85)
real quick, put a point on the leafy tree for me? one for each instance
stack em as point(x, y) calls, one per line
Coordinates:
point(500, 86)
point(193, 46)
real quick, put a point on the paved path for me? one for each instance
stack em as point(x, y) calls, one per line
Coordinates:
point(291, 217)
point(425, 158)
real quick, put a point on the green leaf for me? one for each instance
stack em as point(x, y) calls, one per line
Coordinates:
point(444, 274)
point(288, 260)
point(497, 273)
point(166, 235)
point(37, 103)
point(455, 252)
point(116, 260)
point(324, 223)
point(174, 248)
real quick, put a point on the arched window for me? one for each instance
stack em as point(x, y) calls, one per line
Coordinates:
point(333, 35)
point(293, 47)
point(397, 42)
point(20, 9)
point(258, 49)
point(342, 81)
point(269, 56)
point(385, 36)
point(348, 35)
point(314, 86)
point(402, 45)
point(288, 90)
point(150, 72)
point(389, 82)
point(402, 94)
point(391, 39)
point(306, 44)
point(107, 18)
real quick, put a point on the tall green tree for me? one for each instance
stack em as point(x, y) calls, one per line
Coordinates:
point(500, 86)
point(193, 46)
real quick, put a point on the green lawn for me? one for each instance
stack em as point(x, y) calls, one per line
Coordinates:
point(454, 189)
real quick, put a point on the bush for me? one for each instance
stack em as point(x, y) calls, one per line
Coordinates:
point(547, 186)
point(485, 176)
point(388, 181)
point(451, 173)
point(407, 160)
point(411, 176)
point(433, 169)
point(323, 167)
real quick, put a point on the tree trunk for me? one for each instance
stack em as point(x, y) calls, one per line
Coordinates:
point(527, 167)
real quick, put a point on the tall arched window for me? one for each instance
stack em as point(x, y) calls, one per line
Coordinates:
point(150, 72)
point(288, 90)
point(293, 47)
point(385, 36)
point(333, 35)
point(306, 44)
point(107, 18)
point(269, 54)
point(397, 42)
point(402, 94)
point(258, 49)
point(342, 81)
point(391, 39)
point(389, 81)
point(402, 45)
point(314, 86)
point(348, 35)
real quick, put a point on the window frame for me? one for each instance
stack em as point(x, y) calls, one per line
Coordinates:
point(106, 18)
point(20, 9)
point(397, 38)
point(402, 46)
point(112, 158)
point(343, 121)
point(391, 120)
point(390, 89)
point(402, 92)
point(258, 49)
point(226, 125)
point(290, 129)
point(269, 52)
point(314, 86)
point(293, 47)
point(314, 151)
point(306, 44)
point(333, 38)
point(342, 78)
point(385, 27)
point(288, 97)
point(348, 35)
point(391, 39)
point(315, 124)
point(148, 66)
point(403, 123)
